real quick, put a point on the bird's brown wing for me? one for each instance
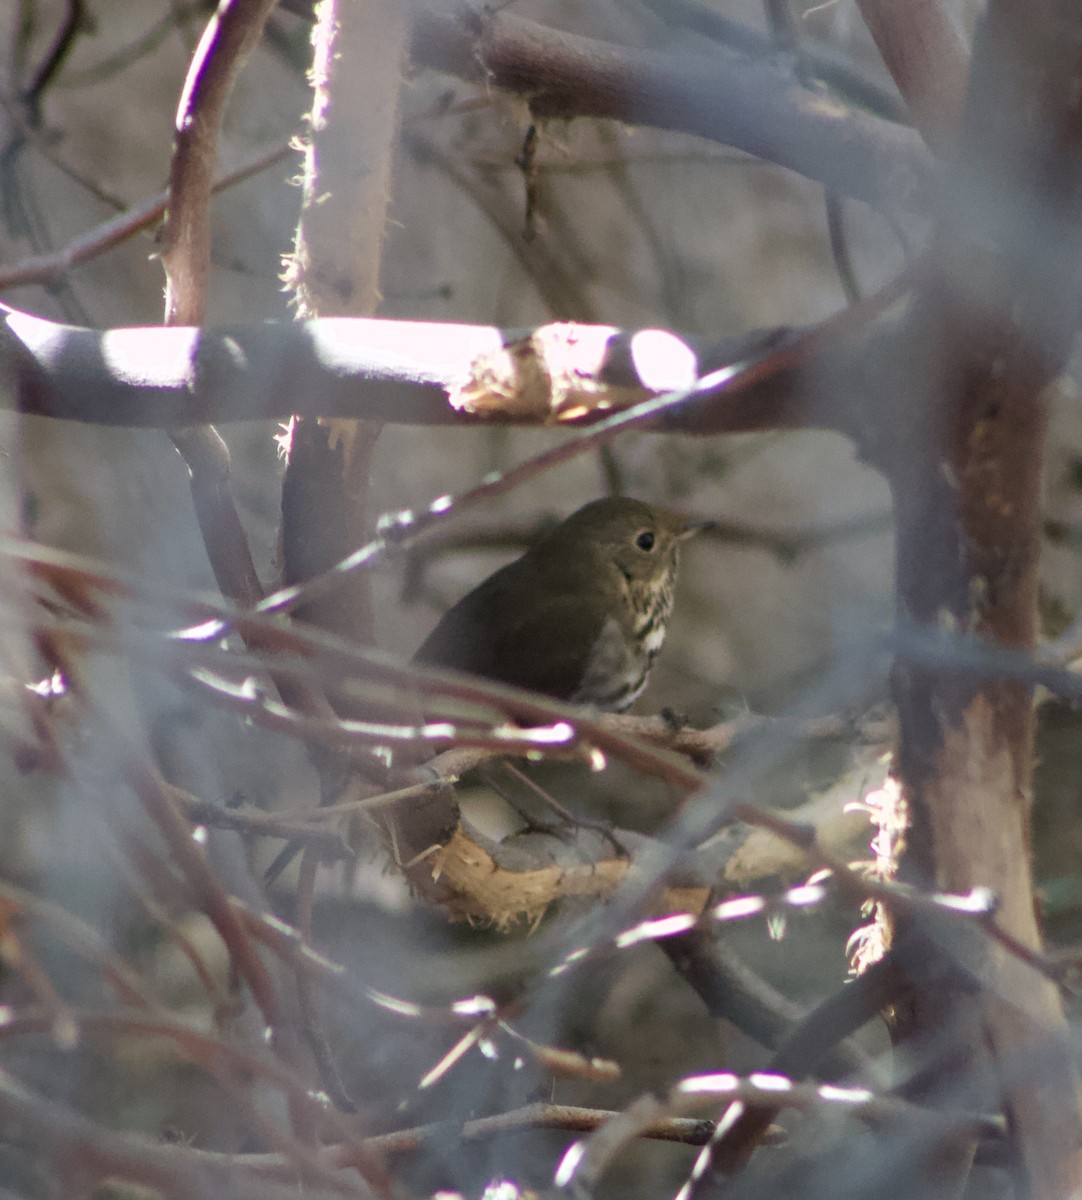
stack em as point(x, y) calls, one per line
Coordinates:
point(538, 644)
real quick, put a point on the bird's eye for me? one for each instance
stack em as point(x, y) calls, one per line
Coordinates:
point(645, 539)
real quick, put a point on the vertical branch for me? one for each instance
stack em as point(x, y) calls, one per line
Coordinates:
point(924, 52)
point(989, 330)
point(358, 56)
point(228, 39)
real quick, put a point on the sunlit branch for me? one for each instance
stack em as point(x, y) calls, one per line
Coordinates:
point(425, 373)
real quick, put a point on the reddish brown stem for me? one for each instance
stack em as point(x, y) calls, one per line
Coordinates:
point(925, 54)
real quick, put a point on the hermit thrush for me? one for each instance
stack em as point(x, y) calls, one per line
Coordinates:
point(580, 616)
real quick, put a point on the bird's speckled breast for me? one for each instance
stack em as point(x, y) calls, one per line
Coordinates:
point(620, 659)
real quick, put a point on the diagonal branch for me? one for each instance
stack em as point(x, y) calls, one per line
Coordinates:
point(990, 328)
point(754, 105)
point(924, 52)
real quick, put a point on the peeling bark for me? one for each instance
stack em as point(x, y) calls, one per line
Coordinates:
point(989, 330)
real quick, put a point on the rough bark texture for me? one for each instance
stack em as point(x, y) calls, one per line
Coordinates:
point(334, 271)
point(989, 331)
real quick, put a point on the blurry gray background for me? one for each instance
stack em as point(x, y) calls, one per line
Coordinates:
point(635, 228)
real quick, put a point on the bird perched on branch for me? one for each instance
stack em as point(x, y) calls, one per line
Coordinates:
point(581, 615)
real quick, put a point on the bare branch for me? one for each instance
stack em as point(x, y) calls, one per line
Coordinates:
point(924, 52)
point(228, 39)
point(404, 372)
point(753, 105)
point(44, 268)
point(992, 325)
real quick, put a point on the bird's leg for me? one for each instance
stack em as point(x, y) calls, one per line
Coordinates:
point(490, 774)
point(675, 721)
point(569, 817)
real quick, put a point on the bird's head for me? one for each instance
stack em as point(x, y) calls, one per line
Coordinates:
point(640, 541)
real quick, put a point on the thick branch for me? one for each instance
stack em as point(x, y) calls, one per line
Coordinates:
point(754, 105)
point(988, 332)
point(229, 38)
point(404, 371)
point(334, 271)
point(923, 50)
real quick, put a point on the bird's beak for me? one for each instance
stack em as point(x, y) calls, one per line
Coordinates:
point(691, 528)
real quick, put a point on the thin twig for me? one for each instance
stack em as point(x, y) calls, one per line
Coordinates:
point(43, 268)
point(61, 47)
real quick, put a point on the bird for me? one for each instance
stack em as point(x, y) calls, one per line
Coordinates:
point(581, 616)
